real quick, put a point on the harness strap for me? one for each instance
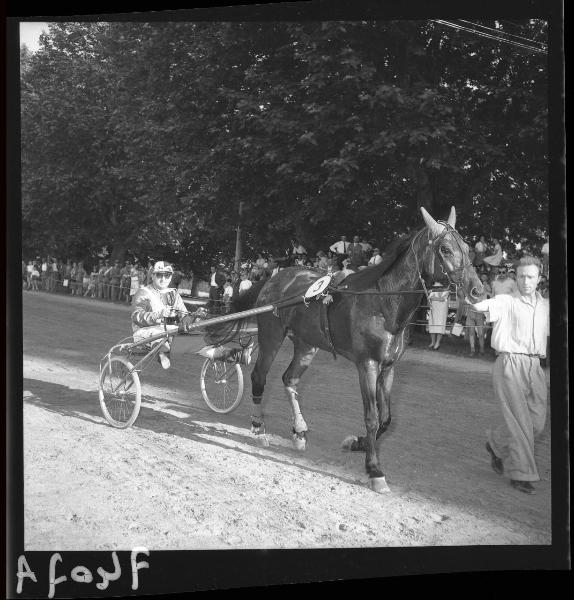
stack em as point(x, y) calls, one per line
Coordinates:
point(325, 329)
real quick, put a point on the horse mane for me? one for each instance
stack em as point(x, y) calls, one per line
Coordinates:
point(367, 278)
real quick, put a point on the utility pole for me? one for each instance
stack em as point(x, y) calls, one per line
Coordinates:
point(238, 239)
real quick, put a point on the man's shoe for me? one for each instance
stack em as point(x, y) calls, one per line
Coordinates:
point(496, 463)
point(523, 486)
point(164, 360)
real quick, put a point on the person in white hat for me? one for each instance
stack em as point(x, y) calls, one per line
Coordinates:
point(155, 304)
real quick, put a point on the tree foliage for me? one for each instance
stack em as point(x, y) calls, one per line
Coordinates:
point(147, 136)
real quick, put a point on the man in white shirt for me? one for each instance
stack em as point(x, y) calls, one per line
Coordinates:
point(340, 247)
point(376, 258)
point(519, 336)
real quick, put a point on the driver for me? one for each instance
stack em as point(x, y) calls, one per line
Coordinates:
point(157, 304)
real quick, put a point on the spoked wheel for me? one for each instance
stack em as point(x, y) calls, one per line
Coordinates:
point(120, 392)
point(221, 385)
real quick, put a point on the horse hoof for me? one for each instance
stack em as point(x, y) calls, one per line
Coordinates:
point(379, 485)
point(299, 441)
point(263, 440)
point(348, 442)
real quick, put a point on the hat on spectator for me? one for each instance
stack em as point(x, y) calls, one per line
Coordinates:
point(162, 267)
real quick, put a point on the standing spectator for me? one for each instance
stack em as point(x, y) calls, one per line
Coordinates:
point(245, 283)
point(521, 327)
point(367, 249)
point(260, 262)
point(227, 294)
point(125, 281)
point(57, 268)
point(29, 269)
point(376, 258)
point(115, 277)
point(341, 247)
point(545, 253)
point(80, 279)
point(479, 251)
point(298, 253)
point(24, 275)
point(149, 273)
point(67, 274)
point(92, 282)
point(72, 282)
point(44, 274)
point(473, 322)
point(135, 278)
point(35, 276)
point(438, 310)
point(495, 259)
point(102, 268)
point(355, 252)
point(52, 274)
point(216, 281)
point(543, 287)
point(502, 284)
point(486, 285)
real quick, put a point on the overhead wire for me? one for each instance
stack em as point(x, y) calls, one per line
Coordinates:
point(501, 32)
point(489, 36)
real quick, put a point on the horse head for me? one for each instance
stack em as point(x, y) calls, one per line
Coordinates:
point(448, 258)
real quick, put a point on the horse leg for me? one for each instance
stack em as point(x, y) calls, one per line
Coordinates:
point(370, 380)
point(302, 358)
point(384, 385)
point(271, 336)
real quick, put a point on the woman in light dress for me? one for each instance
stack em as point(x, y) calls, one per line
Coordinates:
point(495, 259)
point(438, 303)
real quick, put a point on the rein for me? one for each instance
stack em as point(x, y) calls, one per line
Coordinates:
point(457, 273)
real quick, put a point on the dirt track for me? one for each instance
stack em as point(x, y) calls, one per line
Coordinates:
point(185, 478)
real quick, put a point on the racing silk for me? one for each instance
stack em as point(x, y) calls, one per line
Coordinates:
point(148, 305)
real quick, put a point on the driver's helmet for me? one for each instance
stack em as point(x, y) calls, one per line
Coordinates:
point(162, 267)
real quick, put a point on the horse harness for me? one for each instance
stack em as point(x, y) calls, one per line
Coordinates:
point(453, 276)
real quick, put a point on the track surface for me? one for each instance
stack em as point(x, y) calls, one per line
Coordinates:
point(185, 478)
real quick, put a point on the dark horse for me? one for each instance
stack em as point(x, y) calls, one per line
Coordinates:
point(365, 323)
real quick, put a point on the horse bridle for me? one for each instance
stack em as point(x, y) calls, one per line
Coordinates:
point(454, 276)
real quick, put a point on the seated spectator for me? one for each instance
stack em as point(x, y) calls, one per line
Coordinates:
point(341, 271)
point(376, 258)
point(322, 261)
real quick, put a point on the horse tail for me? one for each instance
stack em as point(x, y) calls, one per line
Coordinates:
point(225, 332)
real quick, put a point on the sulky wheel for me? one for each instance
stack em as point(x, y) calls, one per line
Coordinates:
point(221, 385)
point(120, 392)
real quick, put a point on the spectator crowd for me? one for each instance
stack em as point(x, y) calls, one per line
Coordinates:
point(113, 281)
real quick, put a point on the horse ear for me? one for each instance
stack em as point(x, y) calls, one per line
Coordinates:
point(452, 217)
point(433, 226)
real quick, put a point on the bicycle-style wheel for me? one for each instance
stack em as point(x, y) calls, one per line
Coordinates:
point(221, 385)
point(120, 392)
